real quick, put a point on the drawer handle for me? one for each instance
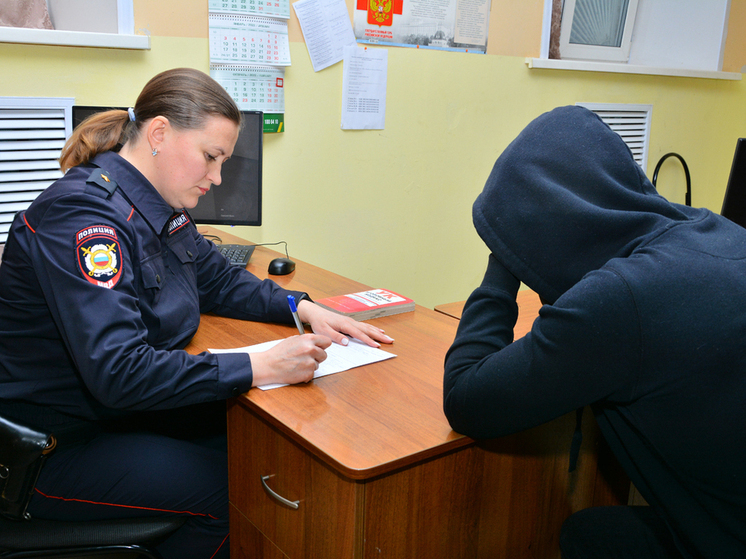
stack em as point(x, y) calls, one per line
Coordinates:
point(280, 498)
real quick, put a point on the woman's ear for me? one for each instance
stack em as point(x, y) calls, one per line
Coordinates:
point(157, 131)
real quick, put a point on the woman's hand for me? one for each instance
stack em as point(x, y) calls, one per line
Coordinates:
point(337, 327)
point(291, 361)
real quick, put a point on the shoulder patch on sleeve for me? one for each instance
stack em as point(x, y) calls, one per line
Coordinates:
point(99, 255)
point(101, 178)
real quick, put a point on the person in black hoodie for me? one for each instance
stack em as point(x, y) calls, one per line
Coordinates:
point(644, 319)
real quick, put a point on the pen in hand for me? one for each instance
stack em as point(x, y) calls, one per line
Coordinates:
point(294, 310)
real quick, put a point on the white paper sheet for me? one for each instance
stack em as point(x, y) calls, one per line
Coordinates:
point(338, 357)
point(364, 88)
point(326, 29)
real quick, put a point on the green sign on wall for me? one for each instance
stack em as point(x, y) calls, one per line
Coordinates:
point(274, 123)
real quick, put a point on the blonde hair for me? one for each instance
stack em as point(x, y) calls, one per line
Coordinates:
point(185, 96)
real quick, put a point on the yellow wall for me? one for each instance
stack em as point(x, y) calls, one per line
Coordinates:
point(391, 208)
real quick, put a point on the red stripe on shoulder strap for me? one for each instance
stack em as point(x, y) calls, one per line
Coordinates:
point(27, 224)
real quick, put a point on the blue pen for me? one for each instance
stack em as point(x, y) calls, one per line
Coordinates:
point(294, 310)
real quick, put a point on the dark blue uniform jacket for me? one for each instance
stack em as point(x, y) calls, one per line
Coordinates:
point(102, 284)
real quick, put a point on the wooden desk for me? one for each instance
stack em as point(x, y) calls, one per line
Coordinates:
point(370, 459)
point(528, 309)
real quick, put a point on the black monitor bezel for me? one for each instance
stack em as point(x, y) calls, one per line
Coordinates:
point(255, 220)
point(734, 200)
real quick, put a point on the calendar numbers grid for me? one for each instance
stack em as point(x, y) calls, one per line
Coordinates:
point(270, 8)
point(248, 55)
point(259, 89)
point(248, 40)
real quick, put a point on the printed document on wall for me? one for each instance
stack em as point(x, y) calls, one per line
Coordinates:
point(364, 88)
point(326, 28)
point(453, 25)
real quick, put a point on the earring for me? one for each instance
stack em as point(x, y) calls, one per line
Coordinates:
point(155, 152)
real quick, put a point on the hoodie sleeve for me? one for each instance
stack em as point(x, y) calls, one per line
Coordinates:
point(583, 348)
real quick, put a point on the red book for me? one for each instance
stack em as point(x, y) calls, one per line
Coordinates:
point(366, 305)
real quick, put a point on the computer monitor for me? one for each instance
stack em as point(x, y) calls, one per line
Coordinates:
point(734, 202)
point(238, 198)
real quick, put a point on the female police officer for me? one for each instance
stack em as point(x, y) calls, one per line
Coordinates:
point(102, 284)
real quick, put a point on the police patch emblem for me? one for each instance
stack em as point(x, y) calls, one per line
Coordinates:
point(176, 222)
point(99, 257)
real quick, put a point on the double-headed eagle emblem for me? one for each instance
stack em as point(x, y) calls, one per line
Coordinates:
point(380, 10)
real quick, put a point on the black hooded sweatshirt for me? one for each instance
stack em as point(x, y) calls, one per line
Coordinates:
point(644, 320)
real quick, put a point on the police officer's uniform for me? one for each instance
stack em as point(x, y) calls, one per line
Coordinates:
point(100, 283)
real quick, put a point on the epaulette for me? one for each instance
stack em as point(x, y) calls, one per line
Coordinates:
point(101, 178)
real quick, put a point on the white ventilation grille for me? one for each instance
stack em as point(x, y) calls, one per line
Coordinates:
point(32, 133)
point(631, 122)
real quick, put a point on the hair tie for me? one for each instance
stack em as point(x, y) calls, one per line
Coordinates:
point(131, 112)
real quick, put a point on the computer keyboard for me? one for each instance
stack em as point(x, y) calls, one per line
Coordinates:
point(237, 255)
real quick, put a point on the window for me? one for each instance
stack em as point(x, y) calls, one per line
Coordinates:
point(84, 23)
point(99, 16)
point(597, 29)
point(33, 131)
point(671, 37)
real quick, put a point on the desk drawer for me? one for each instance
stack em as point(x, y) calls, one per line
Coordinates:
point(261, 460)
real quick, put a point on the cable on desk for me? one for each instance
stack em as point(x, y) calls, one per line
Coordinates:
point(273, 244)
point(216, 239)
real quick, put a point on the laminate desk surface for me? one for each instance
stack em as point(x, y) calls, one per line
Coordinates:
point(528, 309)
point(365, 421)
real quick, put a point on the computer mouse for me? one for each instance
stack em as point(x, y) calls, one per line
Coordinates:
point(281, 266)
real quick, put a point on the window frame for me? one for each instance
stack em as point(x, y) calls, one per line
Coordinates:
point(125, 38)
point(574, 51)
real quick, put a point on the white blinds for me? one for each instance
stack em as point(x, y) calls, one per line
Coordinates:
point(597, 29)
point(599, 22)
point(32, 133)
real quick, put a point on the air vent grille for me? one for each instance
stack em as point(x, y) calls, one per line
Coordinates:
point(32, 133)
point(631, 122)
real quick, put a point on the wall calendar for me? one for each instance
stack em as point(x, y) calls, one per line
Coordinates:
point(253, 87)
point(269, 8)
point(237, 39)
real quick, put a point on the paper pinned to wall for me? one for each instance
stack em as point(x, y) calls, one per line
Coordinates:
point(364, 88)
point(326, 29)
point(453, 25)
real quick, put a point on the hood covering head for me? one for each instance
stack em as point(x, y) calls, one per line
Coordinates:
point(564, 198)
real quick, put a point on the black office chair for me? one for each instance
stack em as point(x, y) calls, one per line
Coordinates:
point(22, 453)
